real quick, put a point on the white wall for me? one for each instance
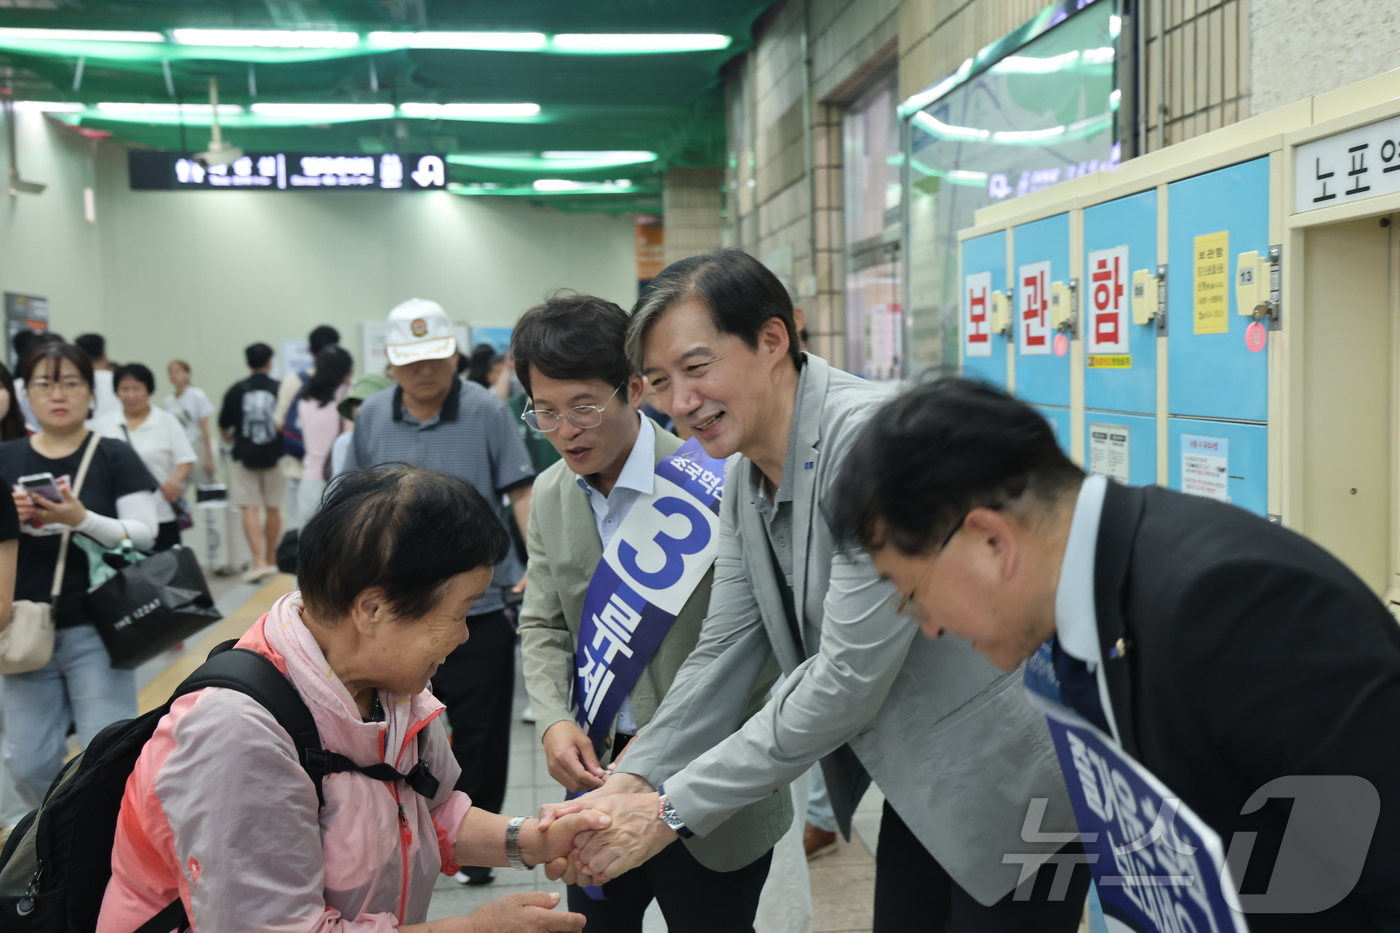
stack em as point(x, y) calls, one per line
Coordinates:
point(1302, 48)
point(200, 275)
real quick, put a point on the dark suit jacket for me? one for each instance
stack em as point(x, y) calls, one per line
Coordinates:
point(1251, 654)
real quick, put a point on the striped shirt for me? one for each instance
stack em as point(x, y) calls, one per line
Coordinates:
point(473, 438)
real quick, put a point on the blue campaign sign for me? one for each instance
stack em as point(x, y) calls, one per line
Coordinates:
point(1157, 867)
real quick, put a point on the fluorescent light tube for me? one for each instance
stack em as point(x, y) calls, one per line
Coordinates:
point(326, 111)
point(160, 109)
point(639, 42)
point(48, 106)
point(268, 38)
point(477, 41)
point(611, 156)
point(468, 111)
point(82, 35)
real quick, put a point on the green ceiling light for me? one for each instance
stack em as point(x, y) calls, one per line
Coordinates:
point(325, 113)
point(637, 43)
point(49, 106)
point(123, 110)
point(554, 161)
point(487, 112)
point(566, 186)
point(473, 41)
point(79, 35)
point(268, 38)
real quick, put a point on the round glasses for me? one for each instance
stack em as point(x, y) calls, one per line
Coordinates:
point(583, 416)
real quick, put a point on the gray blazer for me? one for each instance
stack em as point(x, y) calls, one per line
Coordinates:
point(564, 550)
point(952, 741)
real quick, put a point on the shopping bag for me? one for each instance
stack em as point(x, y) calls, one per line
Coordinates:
point(151, 605)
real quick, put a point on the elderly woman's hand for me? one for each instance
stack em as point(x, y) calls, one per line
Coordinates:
point(524, 913)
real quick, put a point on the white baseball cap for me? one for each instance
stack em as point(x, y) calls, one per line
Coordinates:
point(419, 330)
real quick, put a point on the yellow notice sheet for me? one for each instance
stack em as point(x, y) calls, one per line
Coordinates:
point(1212, 283)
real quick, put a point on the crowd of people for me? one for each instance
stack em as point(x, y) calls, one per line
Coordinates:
point(704, 613)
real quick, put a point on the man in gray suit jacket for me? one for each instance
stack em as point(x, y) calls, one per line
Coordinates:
point(973, 788)
point(570, 357)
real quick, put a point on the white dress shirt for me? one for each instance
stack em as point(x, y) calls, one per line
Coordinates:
point(160, 442)
point(637, 479)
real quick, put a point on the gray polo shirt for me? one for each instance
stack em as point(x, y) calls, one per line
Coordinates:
point(776, 510)
point(473, 438)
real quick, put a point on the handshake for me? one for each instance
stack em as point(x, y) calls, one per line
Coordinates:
point(603, 849)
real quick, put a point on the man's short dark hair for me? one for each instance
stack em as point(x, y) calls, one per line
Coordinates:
point(94, 345)
point(258, 355)
point(137, 371)
point(572, 337)
point(937, 451)
point(741, 293)
point(322, 337)
point(405, 530)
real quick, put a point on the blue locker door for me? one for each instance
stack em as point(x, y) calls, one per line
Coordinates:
point(1221, 460)
point(1122, 447)
point(1212, 219)
point(984, 272)
point(1059, 423)
point(1120, 357)
point(1042, 353)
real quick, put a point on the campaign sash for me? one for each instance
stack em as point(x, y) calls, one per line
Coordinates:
point(653, 564)
point(1157, 867)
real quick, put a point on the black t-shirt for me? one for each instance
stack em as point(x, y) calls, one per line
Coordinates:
point(116, 471)
point(9, 519)
point(250, 411)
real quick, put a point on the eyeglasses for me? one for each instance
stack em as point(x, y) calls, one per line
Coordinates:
point(907, 605)
point(46, 387)
point(583, 416)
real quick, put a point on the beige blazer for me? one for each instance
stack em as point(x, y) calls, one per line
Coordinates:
point(564, 550)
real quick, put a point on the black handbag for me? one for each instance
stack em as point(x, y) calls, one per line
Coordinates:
point(150, 605)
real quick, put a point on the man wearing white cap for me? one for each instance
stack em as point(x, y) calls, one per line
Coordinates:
point(435, 421)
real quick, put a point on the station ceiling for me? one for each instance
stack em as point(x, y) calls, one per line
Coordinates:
point(608, 87)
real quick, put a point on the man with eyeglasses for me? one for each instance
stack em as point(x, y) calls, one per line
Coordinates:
point(973, 792)
point(433, 420)
point(602, 638)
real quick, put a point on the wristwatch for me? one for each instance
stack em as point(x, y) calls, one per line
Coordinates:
point(513, 843)
point(671, 818)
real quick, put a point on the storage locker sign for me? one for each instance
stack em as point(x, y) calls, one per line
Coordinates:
point(1205, 466)
point(1212, 298)
point(1033, 309)
point(1108, 301)
point(977, 329)
point(1108, 451)
point(1351, 166)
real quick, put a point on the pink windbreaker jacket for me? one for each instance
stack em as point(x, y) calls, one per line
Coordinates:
point(220, 813)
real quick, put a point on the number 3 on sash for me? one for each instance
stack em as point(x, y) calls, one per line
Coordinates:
point(675, 549)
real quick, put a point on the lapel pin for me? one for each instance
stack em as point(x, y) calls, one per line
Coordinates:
point(1120, 648)
point(808, 464)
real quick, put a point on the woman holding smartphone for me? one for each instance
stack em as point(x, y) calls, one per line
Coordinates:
point(78, 687)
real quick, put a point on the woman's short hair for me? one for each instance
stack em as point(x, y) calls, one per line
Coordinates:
point(46, 358)
point(741, 293)
point(937, 451)
point(138, 371)
point(182, 364)
point(405, 530)
point(479, 364)
point(575, 337)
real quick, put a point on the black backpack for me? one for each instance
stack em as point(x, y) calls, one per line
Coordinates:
point(55, 868)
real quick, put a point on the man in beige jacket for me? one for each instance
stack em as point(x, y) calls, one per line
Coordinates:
point(570, 357)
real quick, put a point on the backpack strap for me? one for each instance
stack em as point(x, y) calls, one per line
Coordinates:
point(254, 675)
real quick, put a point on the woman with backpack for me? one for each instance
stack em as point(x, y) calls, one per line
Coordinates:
point(224, 826)
point(110, 500)
point(319, 416)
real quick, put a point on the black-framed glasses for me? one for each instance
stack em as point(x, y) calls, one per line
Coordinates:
point(582, 416)
point(906, 604)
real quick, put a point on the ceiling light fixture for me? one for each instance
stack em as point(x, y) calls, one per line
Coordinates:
point(268, 38)
point(325, 112)
point(468, 111)
point(557, 185)
point(81, 35)
point(48, 106)
point(160, 110)
point(639, 42)
point(612, 156)
point(475, 41)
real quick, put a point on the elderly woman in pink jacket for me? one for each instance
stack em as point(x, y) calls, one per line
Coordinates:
point(219, 813)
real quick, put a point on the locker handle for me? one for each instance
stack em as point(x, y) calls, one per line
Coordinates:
point(1001, 314)
point(1145, 305)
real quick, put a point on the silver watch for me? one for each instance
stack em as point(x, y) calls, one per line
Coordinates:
point(513, 843)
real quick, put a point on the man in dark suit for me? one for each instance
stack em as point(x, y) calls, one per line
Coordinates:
point(1219, 650)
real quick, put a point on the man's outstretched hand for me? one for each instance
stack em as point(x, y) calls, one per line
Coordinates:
point(634, 834)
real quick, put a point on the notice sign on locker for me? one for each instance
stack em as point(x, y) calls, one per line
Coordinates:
point(1211, 286)
point(1205, 466)
point(1033, 315)
point(1108, 304)
point(977, 329)
point(1108, 451)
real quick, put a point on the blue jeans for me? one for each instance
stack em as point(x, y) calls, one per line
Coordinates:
point(78, 687)
point(819, 812)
